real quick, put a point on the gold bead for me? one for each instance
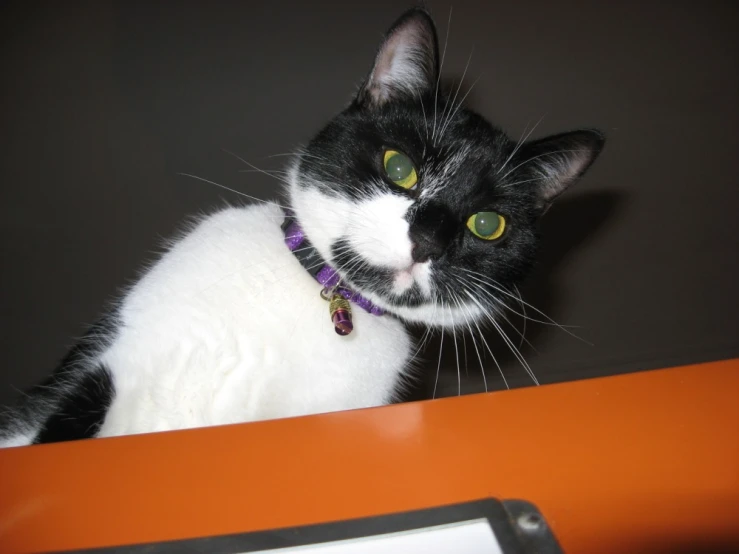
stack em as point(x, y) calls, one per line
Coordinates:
point(341, 314)
point(338, 302)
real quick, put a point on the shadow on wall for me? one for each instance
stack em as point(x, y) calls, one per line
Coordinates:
point(570, 223)
point(568, 226)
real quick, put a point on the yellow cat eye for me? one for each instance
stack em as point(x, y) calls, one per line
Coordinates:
point(487, 225)
point(399, 169)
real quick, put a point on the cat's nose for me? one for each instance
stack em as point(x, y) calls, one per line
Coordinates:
point(431, 231)
point(424, 249)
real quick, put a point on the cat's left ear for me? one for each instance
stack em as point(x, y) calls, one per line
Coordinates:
point(556, 162)
point(407, 63)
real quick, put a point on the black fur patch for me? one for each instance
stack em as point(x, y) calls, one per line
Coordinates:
point(82, 410)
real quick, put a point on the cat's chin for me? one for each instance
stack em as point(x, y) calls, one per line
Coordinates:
point(430, 314)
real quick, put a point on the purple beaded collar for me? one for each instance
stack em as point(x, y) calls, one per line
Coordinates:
point(311, 260)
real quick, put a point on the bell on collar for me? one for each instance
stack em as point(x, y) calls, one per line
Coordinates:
point(341, 314)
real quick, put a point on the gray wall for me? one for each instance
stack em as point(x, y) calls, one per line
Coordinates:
point(103, 103)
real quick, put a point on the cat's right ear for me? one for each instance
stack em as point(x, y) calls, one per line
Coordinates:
point(407, 63)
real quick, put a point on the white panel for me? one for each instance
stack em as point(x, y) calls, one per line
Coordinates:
point(469, 537)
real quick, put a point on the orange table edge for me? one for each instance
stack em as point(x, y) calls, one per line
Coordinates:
point(645, 462)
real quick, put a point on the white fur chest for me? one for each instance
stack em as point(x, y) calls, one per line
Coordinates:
point(229, 327)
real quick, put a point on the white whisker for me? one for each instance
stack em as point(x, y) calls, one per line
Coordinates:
point(231, 190)
point(523, 139)
point(438, 366)
point(461, 102)
point(445, 123)
point(438, 77)
point(482, 337)
point(254, 167)
point(531, 159)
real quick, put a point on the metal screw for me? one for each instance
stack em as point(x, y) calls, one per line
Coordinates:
point(529, 521)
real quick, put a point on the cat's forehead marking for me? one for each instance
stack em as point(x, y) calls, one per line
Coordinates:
point(445, 167)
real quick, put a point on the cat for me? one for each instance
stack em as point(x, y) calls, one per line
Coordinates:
point(407, 207)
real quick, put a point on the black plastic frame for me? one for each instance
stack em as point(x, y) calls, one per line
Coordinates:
point(503, 517)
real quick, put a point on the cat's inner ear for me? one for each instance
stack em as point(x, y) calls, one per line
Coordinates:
point(406, 64)
point(556, 162)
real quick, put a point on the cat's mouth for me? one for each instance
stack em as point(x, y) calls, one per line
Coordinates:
point(416, 273)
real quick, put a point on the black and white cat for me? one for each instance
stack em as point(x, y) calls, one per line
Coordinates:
point(405, 207)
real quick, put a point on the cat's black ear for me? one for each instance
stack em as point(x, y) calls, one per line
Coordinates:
point(407, 63)
point(556, 162)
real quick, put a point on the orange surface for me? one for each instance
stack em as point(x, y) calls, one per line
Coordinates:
point(627, 464)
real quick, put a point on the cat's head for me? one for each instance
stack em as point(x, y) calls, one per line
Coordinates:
point(420, 204)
